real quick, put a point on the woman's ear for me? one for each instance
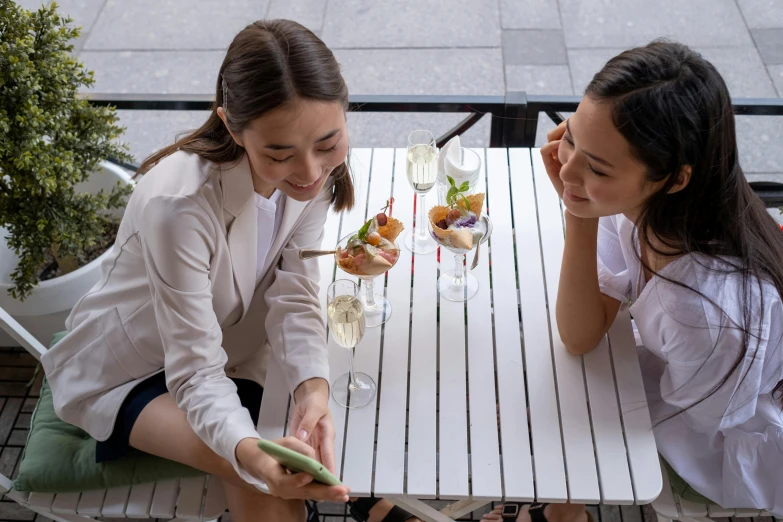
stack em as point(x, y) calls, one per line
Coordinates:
point(682, 179)
point(222, 115)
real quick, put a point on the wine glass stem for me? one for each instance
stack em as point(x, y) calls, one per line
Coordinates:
point(421, 227)
point(369, 288)
point(352, 385)
point(459, 270)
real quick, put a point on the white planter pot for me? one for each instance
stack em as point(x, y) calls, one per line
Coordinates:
point(44, 312)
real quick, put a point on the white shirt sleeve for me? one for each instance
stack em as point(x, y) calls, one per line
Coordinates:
point(178, 240)
point(613, 275)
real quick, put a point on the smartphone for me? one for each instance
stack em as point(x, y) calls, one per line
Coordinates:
point(298, 463)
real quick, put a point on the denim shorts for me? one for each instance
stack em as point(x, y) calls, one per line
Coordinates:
point(116, 446)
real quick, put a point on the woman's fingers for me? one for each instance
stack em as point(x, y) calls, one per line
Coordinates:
point(326, 448)
point(301, 485)
point(322, 493)
point(552, 165)
point(556, 133)
point(549, 151)
point(549, 155)
point(297, 445)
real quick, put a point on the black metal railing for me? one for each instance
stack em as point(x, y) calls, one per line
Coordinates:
point(514, 117)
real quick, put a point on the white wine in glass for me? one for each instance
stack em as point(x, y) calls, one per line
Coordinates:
point(346, 320)
point(422, 167)
point(422, 162)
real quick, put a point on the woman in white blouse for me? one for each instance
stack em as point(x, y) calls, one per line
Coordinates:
point(168, 352)
point(659, 217)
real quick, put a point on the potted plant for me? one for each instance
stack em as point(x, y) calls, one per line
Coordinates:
point(60, 203)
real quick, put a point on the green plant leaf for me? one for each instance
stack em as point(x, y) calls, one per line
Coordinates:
point(363, 231)
point(450, 195)
point(50, 141)
point(451, 181)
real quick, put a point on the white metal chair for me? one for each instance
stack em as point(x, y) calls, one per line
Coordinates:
point(194, 498)
point(670, 506)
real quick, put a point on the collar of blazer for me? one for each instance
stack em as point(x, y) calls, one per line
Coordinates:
point(237, 184)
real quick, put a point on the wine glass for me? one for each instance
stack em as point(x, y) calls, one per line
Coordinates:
point(377, 308)
point(422, 162)
point(459, 284)
point(345, 316)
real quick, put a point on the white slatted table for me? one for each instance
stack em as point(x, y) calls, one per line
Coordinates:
point(480, 401)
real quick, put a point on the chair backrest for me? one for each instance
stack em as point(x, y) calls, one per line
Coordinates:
point(21, 335)
point(36, 349)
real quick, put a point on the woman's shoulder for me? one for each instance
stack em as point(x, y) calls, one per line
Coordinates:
point(710, 287)
point(180, 182)
point(180, 174)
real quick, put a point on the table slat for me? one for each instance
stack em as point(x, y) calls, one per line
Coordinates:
point(607, 429)
point(42, 501)
point(115, 502)
point(164, 501)
point(390, 453)
point(715, 511)
point(91, 503)
point(517, 463)
point(575, 421)
point(360, 436)
point(422, 415)
point(215, 503)
point(66, 503)
point(191, 497)
point(542, 397)
point(484, 450)
point(640, 441)
point(360, 161)
point(327, 269)
point(326, 264)
point(453, 417)
point(140, 500)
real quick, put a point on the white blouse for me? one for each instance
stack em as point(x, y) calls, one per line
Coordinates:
point(728, 447)
point(269, 214)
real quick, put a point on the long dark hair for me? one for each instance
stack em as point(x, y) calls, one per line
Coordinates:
point(674, 108)
point(269, 63)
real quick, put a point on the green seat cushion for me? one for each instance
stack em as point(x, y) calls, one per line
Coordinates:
point(682, 488)
point(60, 458)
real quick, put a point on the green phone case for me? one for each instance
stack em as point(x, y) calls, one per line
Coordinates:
point(298, 463)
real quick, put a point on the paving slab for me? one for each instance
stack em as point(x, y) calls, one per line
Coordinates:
point(762, 14)
point(534, 47)
point(172, 24)
point(627, 23)
point(162, 72)
point(412, 23)
point(423, 71)
point(539, 79)
point(529, 14)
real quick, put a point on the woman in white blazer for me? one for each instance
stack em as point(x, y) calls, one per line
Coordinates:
point(167, 353)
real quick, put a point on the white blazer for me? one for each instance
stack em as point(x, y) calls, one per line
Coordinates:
point(178, 294)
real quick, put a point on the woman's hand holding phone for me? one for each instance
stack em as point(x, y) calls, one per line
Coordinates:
point(281, 482)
